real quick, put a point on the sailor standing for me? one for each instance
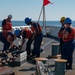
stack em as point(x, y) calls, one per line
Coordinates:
point(7, 25)
point(68, 46)
point(60, 33)
point(37, 37)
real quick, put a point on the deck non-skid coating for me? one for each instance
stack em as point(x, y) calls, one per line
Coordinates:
point(29, 68)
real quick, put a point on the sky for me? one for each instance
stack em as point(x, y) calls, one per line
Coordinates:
point(20, 9)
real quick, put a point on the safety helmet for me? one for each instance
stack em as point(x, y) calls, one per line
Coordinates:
point(27, 20)
point(17, 32)
point(67, 21)
point(62, 18)
point(10, 16)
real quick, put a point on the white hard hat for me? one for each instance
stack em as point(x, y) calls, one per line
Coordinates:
point(9, 16)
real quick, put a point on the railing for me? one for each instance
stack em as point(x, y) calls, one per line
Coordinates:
point(16, 27)
point(53, 31)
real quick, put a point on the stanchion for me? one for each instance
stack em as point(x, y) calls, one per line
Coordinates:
point(60, 66)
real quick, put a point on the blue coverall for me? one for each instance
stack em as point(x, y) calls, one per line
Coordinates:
point(4, 40)
point(37, 43)
point(67, 50)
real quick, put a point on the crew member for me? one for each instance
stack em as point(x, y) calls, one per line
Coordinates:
point(27, 34)
point(36, 36)
point(8, 40)
point(68, 46)
point(60, 33)
point(7, 25)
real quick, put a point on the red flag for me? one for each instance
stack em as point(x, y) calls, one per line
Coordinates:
point(45, 2)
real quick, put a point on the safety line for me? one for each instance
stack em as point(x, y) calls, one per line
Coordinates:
point(47, 43)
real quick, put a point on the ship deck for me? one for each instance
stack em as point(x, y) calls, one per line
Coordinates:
point(29, 68)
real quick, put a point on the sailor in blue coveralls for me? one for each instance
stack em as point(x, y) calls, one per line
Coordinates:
point(8, 40)
point(60, 33)
point(36, 37)
point(68, 46)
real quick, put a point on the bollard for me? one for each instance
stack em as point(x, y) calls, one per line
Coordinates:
point(55, 49)
point(60, 66)
point(39, 59)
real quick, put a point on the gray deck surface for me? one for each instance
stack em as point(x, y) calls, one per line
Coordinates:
point(29, 69)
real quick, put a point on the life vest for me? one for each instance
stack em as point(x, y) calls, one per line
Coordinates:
point(60, 35)
point(39, 28)
point(7, 28)
point(74, 33)
point(71, 36)
point(28, 32)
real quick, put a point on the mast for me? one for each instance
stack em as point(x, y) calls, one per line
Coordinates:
point(44, 21)
point(45, 2)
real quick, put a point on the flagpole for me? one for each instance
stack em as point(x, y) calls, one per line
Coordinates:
point(44, 21)
point(45, 2)
point(40, 13)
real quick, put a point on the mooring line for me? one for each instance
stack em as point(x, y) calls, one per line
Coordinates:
point(47, 44)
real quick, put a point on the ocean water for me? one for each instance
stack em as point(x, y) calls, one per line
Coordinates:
point(48, 23)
